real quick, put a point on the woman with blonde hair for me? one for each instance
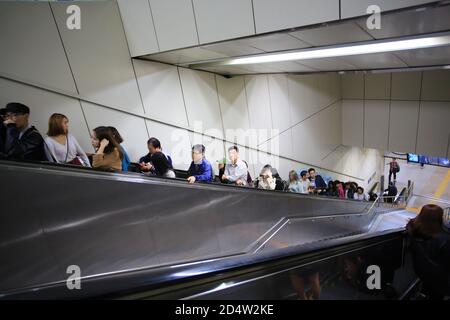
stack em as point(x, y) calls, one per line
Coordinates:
point(60, 146)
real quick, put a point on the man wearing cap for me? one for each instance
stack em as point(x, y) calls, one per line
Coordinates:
point(23, 141)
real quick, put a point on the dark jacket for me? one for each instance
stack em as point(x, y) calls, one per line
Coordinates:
point(2, 137)
point(202, 171)
point(320, 183)
point(29, 147)
point(431, 261)
point(148, 158)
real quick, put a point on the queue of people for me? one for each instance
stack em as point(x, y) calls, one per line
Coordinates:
point(22, 141)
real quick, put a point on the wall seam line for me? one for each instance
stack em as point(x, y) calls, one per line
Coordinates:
point(70, 68)
point(420, 106)
point(184, 100)
point(195, 21)
point(154, 27)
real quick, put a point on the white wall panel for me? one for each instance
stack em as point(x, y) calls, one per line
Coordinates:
point(174, 23)
point(279, 101)
point(353, 8)
point(352, 123)
point(406, 85)
point(43, 104)
point(282, 14)
point(352, 86)
point(131, 128)
point(99, 56)
point(202, 103)
point(213, 21)
point(279, 145)
point(303, 96)
point(316, 137)
point(233, 103)
point(403, 126)
point(434, 128)
point(138, 24)
point(377, 86)
point(161, 92)
point(436, 85)
point(31, 48)
point(376, 124)
point(174, 141)
point(258, 101)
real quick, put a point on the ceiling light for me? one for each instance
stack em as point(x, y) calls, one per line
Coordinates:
point(347, 50)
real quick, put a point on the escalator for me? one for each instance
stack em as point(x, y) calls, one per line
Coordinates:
point(137, 237)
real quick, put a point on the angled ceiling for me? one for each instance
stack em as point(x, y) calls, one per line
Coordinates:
point(410, 22)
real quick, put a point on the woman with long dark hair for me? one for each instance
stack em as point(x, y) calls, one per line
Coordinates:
point(125, 159)
point(108, 154)
point(430, 247)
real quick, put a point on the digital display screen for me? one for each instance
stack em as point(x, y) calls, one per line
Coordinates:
point(434, 161)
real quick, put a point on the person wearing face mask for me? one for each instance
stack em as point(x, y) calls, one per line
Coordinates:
point(200, 169)
point(22, 140)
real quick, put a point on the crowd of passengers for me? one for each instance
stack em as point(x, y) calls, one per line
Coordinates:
point(22, 141)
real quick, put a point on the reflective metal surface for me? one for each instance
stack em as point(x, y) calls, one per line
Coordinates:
point(104, 223)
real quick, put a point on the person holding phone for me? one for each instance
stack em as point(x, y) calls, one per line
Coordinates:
point(108, 155)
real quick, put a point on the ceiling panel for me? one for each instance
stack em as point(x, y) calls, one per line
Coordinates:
point(332, 34)
point(328, 64)
point(186, 55)
point(233, 48)
point(426, 57)
point(375, 61)
point(397, 24)
point(276, 42)
point(226, 70)
point(411, 22)
point(290, 66)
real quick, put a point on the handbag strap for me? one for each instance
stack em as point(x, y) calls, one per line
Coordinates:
point(67, 144)
point(50, 151)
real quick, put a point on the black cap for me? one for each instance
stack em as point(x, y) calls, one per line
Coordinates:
point(16, 107)
point(2, 111)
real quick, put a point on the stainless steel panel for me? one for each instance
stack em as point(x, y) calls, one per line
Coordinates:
point(107, 222)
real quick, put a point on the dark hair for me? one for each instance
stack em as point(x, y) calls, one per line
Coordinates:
point(303, 173)
point(360, 188)
point(55, 125)
point(233, 148)
point(428, 223)
point(160, 162)
point(116, 135)
point(311, 169)
point(154, 143)
point(199, 148)
point(105, 133)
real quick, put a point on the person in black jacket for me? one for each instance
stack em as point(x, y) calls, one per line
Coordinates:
point(317, 181)
point(430, 247)
point(23, 141)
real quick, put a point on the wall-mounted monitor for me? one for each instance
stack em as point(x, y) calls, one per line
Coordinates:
point(434, 161)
